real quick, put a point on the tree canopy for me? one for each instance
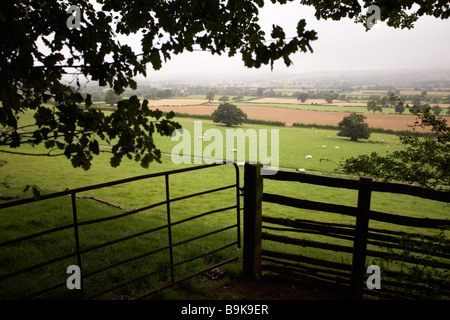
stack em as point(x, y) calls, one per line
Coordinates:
point(228, 114)
point(374, 104)
point(40, 57)
point(354, 127)
point(111, 97)
point(423, 160)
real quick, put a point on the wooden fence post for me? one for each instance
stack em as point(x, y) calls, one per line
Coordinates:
point(253, 190)
point(360, 241)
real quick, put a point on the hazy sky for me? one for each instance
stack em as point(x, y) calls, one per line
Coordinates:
point(341, 45)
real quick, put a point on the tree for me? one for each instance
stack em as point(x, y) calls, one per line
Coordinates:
point(437, 110)
point(423, 160)
point(111, 97)
point(228, 114)
point(419, 108)
point(400, 107)
point(210, 96)
point(328, 97)
point(417, 100)
point(224, 98)
point(164, 94)
point(260, 92)
point(238, 98)
point(303, 96)
point(354, 127)
point(374, 104)
point(41, 46)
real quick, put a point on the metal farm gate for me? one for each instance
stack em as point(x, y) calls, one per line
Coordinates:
point(15, 250)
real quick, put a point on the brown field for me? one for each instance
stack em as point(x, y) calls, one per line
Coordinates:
point(338, 103)
point(290, 116)
point(176, 102)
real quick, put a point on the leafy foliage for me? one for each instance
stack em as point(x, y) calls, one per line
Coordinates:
point(374, 104)
point(354, 127)
point(424, 161)
point(228, 114)
point(420, 274)
point(39, 54)
point(210, 96)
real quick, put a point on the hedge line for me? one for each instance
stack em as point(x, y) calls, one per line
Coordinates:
point(296, 124)
point(374, 130)
point(250, 121)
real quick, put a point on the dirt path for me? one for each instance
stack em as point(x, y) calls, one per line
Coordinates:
point(270, 288)
point(290, 116)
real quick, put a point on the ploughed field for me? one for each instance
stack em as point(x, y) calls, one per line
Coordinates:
point(290, 116)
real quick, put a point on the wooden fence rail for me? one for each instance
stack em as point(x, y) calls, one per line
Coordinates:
point(360, 234)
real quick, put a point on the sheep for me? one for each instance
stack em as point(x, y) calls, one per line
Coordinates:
point(234, 150)
point(308, 157)
point(323, 147)
point(301, 170)
point(240, 164)
point(201, 137)
point(336, 147)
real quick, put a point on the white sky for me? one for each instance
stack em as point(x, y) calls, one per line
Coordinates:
point(341, 46)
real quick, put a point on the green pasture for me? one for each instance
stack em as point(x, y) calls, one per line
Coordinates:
point(294, 143)
point(56, 174)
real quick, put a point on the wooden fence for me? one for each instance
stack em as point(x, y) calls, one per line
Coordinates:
point(389, 246)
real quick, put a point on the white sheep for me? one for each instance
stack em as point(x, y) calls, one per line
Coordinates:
point(308, 157)
point(201, 137)
point(301, 170)
point(336, 147)
point(240, 164)
point(323, 147)
point(234, 150)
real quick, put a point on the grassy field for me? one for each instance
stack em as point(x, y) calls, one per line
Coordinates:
point(56, 174)
point(295, 144)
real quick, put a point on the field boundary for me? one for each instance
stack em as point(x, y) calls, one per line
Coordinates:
point(258, 258)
